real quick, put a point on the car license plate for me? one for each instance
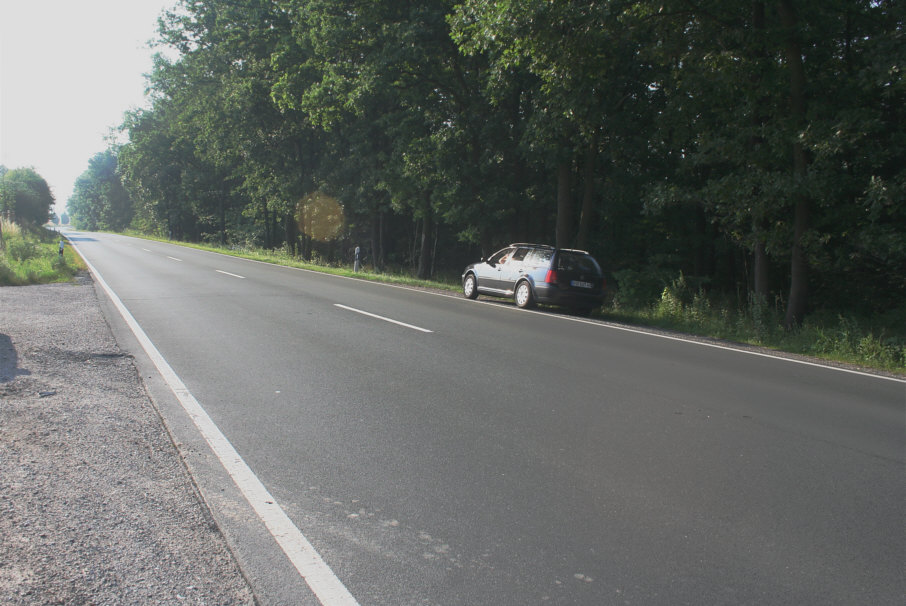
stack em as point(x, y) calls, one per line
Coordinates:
point(579, 284)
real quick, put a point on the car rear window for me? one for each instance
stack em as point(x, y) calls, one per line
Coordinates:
point(570, 261)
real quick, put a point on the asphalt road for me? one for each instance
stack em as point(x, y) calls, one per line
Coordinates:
point(513, 457)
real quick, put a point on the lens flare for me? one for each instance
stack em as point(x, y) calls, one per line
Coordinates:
point(320, 217)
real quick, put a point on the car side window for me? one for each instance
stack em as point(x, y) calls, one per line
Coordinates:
point(520, 254)
point(498, 257)
point(540, 257)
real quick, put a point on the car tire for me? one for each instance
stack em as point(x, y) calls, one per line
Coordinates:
point(470, 287)
point(523, 295)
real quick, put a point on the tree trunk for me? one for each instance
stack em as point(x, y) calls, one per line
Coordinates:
point(798, 300)
point(274, 225)
point(564, 206)
point(588, 194)
point(222, 221)
point(304, 231)
point(377, 239)
point(424, 256)
point(290, 230)
point(761, 280)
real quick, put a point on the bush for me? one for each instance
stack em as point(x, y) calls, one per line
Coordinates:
point(848, 341)
point(638, 289)
point(20, 249)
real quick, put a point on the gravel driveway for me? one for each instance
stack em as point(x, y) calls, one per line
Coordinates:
point(96, 505)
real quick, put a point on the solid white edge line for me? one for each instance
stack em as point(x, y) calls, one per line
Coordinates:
point(326, 586)
point(639, 331)
point(371, 315)
point(742, 351)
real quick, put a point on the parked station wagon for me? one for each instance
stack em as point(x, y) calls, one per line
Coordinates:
point(536, 273)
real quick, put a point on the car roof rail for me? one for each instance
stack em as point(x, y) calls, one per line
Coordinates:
point(532, 245)
point(548, 246)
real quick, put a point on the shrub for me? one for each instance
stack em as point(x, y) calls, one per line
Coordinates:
point(21, 249)
point(638, 289)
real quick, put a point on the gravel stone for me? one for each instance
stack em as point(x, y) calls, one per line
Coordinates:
point(96, 505)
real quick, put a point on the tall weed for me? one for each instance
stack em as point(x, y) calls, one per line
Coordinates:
point(879, 343)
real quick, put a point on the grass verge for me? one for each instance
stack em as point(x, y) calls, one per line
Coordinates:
point(30, 255)
point(877, 342)
point(280, 257)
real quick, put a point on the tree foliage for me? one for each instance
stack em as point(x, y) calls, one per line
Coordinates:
point(752, 145)
point(99, 200)
point(25, 196)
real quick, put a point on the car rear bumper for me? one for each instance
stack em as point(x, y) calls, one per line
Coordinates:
point(551, 294)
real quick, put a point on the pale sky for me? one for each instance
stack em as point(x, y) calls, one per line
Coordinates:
point(69, 70)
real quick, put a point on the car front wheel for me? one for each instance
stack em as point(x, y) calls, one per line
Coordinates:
point(524, 296)
point(470, 287)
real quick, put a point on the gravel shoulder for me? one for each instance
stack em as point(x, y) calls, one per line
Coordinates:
point(96, 504)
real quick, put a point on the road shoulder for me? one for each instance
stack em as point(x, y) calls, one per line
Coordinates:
point(96, 504)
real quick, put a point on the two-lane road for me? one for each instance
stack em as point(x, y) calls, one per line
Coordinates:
point(436, 450)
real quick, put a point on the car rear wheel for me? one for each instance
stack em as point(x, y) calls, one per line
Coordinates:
point(524, 296)
point(470, 287)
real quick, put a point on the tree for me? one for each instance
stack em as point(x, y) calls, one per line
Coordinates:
point(99, 200)
point(373, 80)
point(585, 57)
point(25, 196)
point(678, 136)
point(153, 166)
point(744, 126)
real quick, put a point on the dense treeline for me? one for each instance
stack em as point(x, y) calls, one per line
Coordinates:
point(755, 147)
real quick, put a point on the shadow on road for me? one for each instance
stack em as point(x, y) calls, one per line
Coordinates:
point(9, 361)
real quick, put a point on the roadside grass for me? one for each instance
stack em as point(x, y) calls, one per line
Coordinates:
point(281, 257)
point(878, 343)
point(29, 255)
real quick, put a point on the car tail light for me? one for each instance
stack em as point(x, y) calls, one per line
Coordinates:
point(551, 277)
